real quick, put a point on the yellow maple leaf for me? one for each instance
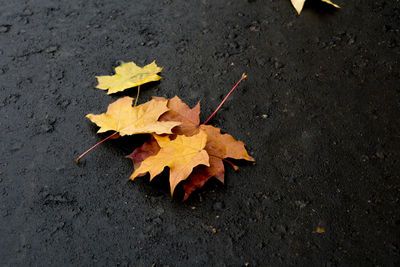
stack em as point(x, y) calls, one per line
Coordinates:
point(128, 75)
point(181, 155)
point(127, 120)
point(299, 4)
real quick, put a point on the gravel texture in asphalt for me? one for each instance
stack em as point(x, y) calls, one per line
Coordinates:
point(319, 112)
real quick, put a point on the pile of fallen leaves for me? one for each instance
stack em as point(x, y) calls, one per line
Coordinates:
point(193, 152)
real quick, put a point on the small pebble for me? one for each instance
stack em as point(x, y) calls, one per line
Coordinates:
point(278, 65)
point(51, 49)
point(157, 220)
point(260, 62)
point(27, 12)
point(47, 128)
point(380, 154)
point(281, 229)
point(4, 28)
point(16, 146)
point(159, 211)
point(218, 206)
point(301, 204)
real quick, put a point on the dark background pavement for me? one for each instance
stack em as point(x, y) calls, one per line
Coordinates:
point(319, 112)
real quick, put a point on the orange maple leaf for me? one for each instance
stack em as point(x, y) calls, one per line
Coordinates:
point(181, 155)
point(127, 120)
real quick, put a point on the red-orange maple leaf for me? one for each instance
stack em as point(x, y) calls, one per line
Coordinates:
point(149, 148)
point(219, 146)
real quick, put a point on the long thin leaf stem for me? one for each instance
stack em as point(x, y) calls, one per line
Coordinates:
point(81, 156)
point(244, 76)
point(137, 95)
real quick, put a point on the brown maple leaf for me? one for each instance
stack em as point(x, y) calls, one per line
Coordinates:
point(179, 111)
point(219, 147)
point(181, 155)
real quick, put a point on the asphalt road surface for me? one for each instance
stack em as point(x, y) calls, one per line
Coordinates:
point(319, 112)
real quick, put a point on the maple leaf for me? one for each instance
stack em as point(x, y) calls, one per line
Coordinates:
point(149, 148)
point(224, 145)
point(299, 4)
point(181, 112)
point(181, 155)
point(127, 120)
point(219, 146)
point(128, 75)
point(178, 111)
point(201, 175)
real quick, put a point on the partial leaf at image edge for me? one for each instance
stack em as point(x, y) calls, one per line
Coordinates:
point(299, 4)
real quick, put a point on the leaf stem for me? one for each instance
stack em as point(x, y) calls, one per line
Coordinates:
point(81, 156)
point(244, 76)
point(137, 96)
point(227, 161)
point(233, 165)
